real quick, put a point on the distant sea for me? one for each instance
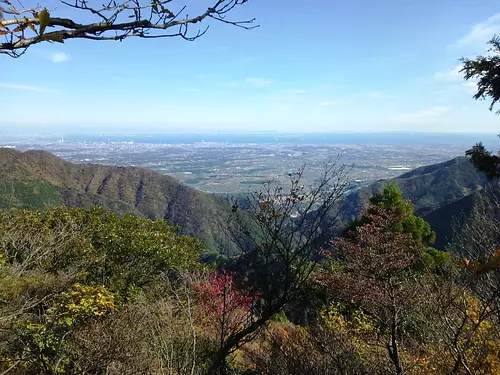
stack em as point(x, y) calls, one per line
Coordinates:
point(399, 138)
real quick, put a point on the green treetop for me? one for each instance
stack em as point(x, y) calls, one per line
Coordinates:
point(391, 198)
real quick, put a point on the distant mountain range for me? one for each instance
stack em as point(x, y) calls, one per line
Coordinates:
point(38, 179)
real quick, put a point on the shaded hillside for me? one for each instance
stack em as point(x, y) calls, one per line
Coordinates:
point(445, 220)
point(439, 192)
point(429, 187)
point(38, 179)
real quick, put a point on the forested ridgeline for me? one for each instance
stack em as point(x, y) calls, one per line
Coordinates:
point(94, 292)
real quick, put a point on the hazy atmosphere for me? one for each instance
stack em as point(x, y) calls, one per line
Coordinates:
point(322, 66)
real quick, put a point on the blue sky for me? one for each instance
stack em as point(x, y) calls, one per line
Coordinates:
point(315, 65)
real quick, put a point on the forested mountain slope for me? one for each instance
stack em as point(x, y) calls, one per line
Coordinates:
point(38, 179)
point(429, 187)
point(439, 192)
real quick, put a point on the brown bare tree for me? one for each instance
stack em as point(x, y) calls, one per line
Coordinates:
point(376, 271)
point(282, 235)
point(470, 304)
point(23, 26)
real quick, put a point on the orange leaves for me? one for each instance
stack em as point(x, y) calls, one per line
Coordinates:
point(4, 30)
point(481, 266)
point(20, 28)
point(463, 263)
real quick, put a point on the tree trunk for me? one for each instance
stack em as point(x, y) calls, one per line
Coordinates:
point(392, 348)
point(233, 341)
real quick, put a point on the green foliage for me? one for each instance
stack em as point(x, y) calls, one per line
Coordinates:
point(43, 341)
point(38, 180)
point(391, 198)
point(33, 194)
point(484, 160)
point(487, 70)
point(121, 253)
point(65, 272)
point(438, 260)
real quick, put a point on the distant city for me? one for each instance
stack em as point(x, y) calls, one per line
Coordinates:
point(235, 163)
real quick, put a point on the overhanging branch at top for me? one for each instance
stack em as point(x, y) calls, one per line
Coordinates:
point(116, 20)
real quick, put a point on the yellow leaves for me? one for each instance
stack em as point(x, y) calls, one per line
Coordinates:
point(463, 263)
point(80, 303)
point(43, 20)
point(90, 300)
point(32, 27)
point(359, 322)
point(481, 266)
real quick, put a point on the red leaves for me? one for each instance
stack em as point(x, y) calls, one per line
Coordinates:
point(376, 247)
point(372, 256)
point(223, 303)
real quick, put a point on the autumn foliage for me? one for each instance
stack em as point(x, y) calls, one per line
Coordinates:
point(88, 292)
point(226, 306)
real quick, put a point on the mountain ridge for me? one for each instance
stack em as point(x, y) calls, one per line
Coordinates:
point(439, 192)
point(38, 179)
point(134, 190)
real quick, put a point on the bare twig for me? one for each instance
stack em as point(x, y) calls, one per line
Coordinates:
point(115, 21)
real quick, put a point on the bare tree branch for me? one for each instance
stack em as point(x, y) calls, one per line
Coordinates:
point(24, 27)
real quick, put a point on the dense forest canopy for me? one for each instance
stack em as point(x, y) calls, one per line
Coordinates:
point(87, 291)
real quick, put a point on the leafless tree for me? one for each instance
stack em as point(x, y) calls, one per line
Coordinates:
point(376, 273)
point(171, 330)
point(470, 302)
point(23, 25)
point(286, 349)
point(282, 235)
point(144, 337)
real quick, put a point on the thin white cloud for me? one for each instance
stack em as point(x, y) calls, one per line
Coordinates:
point(420, 116)
point(451, 75)
point(377, 95)
point(15, 86)
point(331, 103)
point(59, 57)
point(257, 82)
point(480, 33)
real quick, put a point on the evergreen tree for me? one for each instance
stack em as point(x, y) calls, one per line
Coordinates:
point(486, 69)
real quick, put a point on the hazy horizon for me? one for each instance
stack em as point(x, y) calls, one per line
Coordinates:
point(254, 137)
point(360, 66)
